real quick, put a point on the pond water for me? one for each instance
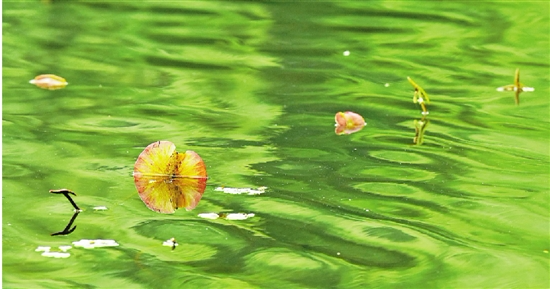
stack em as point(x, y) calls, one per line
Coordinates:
point(253, 89)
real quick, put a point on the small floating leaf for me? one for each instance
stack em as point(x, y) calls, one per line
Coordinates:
point(49, 81)
point(348, 122)
point(167, 180)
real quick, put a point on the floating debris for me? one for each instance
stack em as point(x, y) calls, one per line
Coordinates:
point(49, 81)
point(420, 96)
point(346, 53)
point(170, 243)
point(227, 216)
point(236, 216)
point(54, 254)
point(43, 249)
point(90, 244)
point(65, 248)
point(66, 193)
point(167, 180)
point(518, 87)
point(348, 122)
point(238, 191)
point(100, 208)
point(212, 216)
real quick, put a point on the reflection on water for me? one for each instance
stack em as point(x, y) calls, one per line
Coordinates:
point(69, 228)
point(253, 88)
point(420, 126)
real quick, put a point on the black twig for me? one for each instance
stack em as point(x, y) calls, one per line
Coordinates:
point(66, 193)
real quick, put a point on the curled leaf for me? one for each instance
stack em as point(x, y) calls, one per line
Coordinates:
point(49, 81)
point(167, 180)
point(348, 122)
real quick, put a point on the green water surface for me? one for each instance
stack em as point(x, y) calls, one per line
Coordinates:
point(253, 89)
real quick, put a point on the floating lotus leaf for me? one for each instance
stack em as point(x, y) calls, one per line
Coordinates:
point(348, 122)
point(167, 180)
point(49, 81)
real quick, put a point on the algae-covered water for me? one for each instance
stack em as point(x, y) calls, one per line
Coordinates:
point(253, 88)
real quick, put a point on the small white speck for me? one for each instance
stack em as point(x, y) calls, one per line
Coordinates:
point(387, 85)
point(346, 53)
point(338, 253)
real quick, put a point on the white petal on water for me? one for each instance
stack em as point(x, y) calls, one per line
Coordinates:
point(56, 254)
point(90, 244)
point(238, 191)
point(170, 243)
point(65, 248)
point(100, 208)
point(239, 216)
point(43, 249)
point(209, 215)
